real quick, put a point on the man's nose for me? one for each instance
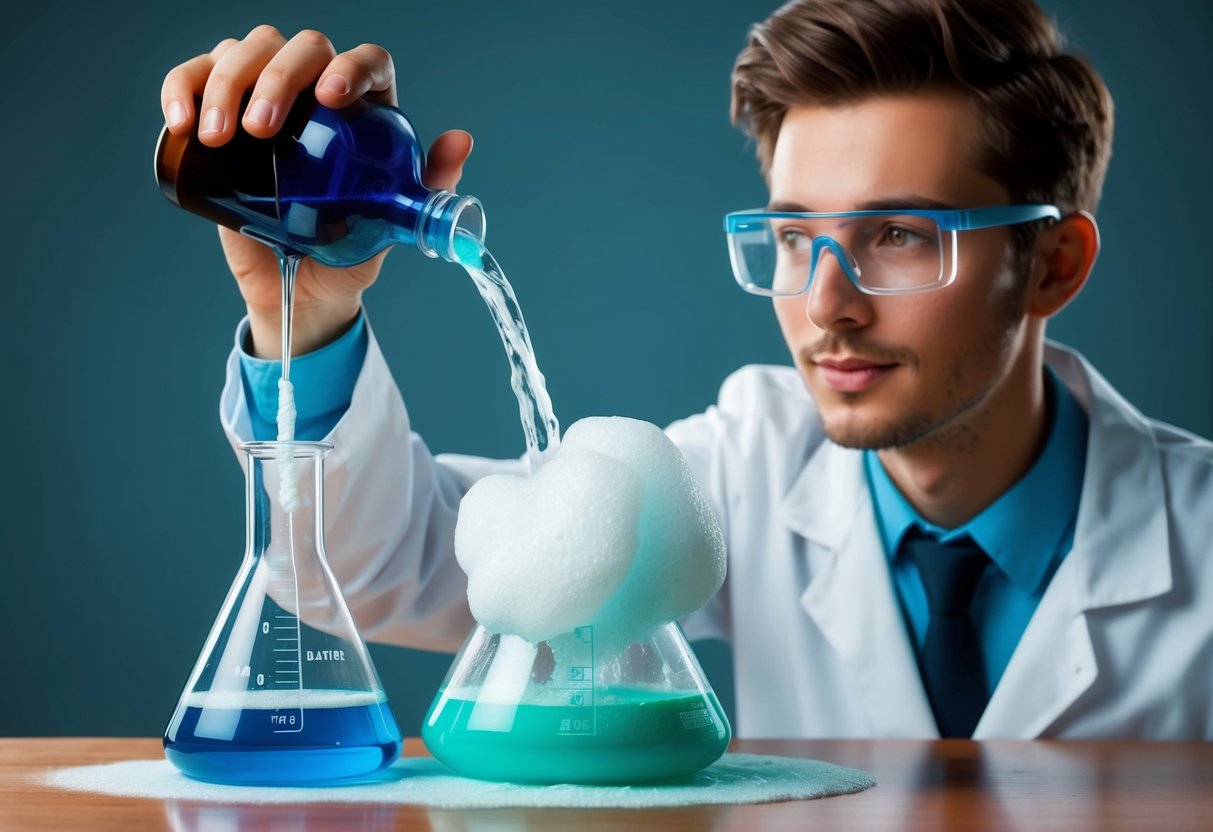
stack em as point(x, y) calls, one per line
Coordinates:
point(835, 303)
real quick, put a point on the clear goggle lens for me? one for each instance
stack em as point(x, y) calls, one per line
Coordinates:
point(882, 253)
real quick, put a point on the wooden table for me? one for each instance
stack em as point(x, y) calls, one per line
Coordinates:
point(952, 784)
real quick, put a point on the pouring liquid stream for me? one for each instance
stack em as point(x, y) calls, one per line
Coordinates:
point(539, 424)
point(286, 575)
point(288, 488)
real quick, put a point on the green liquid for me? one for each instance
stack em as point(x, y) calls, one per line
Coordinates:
point(630, 736)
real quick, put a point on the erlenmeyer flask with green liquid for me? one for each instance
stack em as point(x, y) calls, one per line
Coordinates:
point(579, 708)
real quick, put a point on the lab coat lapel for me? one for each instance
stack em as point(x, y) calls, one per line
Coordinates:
point(1119, 557)
point(850, 596)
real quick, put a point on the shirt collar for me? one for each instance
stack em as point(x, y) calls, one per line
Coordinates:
point(1030, 525)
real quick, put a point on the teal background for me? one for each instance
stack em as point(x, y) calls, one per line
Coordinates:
point(605, 160)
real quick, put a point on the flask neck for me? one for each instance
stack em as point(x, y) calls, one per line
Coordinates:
point(270, 525)
point(448, 224)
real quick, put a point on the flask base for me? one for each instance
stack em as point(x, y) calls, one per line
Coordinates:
point(633, 737)
point(249, 746)
point(280, 766)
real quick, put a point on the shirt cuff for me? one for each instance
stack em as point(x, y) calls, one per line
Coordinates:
point(324, 383)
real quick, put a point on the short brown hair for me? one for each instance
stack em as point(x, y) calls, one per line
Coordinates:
point(1047, 115)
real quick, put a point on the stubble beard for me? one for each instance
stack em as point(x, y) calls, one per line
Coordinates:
point(971, 379)
point(940, 427)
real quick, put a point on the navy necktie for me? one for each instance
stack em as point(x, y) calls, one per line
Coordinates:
point(950, 658)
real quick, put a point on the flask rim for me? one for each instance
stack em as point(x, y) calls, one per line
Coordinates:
point(298, 449)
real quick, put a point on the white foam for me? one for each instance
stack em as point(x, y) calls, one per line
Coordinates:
point(288, 477)
point(544, 553)
point(612, 531)
point(274, 700)
point(680, 555)
point(733, 779)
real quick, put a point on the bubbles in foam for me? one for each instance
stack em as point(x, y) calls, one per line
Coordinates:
point(544, 553)
point(612, 531)
point(273, 700)
point(680, 555)
point(286, 410)
point(288, 482)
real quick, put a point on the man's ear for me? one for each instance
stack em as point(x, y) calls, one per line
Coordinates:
point(1062, 262)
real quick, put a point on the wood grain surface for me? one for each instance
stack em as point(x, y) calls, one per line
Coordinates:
point(953, 784)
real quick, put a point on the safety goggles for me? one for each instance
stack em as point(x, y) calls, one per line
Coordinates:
point(776, 253)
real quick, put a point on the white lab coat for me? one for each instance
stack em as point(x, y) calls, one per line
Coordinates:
point(1120, 646)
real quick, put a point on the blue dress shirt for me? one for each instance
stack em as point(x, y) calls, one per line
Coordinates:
point(1026, 532)
point(324, 384)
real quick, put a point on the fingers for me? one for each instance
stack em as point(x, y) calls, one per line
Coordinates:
point(235, 71)
point(295, 67)
point(364, 69)
point(444, 164)
point(276, 70)
point(183, 83)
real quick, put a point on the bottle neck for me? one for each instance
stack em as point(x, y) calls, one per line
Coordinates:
point(447, 224)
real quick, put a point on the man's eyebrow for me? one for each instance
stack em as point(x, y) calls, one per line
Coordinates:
point(900, 203)
point(908, 203)
point(787, 207)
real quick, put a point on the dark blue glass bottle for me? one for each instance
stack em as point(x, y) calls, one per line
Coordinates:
point(337, 185)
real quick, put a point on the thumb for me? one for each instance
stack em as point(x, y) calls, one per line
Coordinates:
point(444, 165)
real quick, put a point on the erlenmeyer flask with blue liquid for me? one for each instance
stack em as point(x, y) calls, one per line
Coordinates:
point(284, 691)
point(337, 185)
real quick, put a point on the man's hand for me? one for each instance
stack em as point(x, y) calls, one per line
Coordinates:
point(326, 299)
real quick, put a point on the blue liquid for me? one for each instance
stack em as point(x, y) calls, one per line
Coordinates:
point(333, 744)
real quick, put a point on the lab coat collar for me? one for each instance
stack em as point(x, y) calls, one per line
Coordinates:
point(1123, 470)
point(1116, 559)
point(830, 505)
point(822, 503)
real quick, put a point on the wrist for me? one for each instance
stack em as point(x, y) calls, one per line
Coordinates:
point(312, 328)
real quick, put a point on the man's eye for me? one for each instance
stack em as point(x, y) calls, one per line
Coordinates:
point(901, 237)
point(793, 240)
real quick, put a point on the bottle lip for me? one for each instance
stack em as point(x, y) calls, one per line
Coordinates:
point(467, 205)
point(444, 215)
point(265, 449)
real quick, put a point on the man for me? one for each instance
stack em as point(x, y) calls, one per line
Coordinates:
point(937, 523)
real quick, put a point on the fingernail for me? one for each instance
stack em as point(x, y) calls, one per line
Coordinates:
point(261, 113)
point(335, 84)
point(212, 122)
point(176, 113)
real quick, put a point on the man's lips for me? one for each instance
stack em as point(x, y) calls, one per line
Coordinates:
point(851, 375)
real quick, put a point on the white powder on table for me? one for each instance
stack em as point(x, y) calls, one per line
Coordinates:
point(734, 779)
